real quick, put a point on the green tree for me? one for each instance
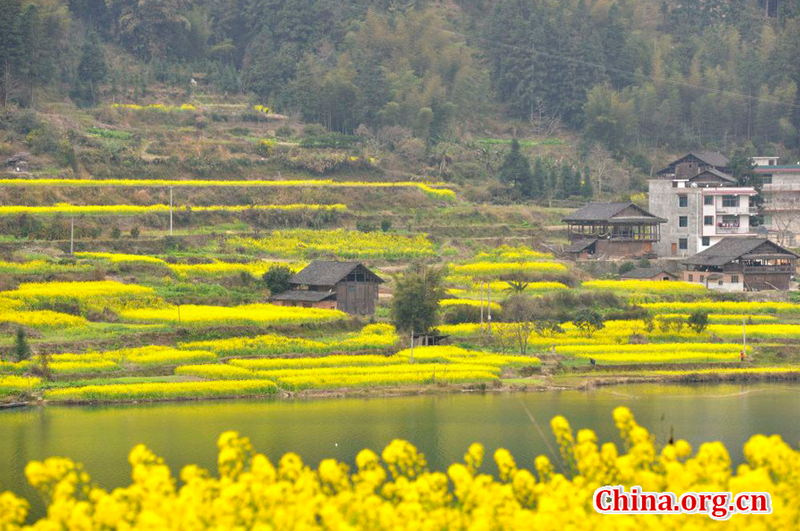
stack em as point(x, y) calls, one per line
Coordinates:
point(22, 351)
point(92, 70)
point(588, 321)
point(516, 171)
point(610, 117)
point(415, 307)
point(540, 175)
point(277, 278)
point(149, 28)
point(697, 321)
point(10, 46)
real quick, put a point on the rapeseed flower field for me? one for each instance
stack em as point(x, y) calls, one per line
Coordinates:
point(301, 243)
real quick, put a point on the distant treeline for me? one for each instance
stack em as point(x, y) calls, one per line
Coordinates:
point(631, 74)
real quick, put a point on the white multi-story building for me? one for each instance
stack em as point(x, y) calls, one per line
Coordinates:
point(781, 193)
point(701, 203)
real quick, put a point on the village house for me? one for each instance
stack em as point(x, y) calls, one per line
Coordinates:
point(648, 273)
point(18, 162)
point(701, 203)
point(742, 264)
point(611, 230)
point(346, 286)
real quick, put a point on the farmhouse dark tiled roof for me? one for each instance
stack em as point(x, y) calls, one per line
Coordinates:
point(325, 273)
point(606, 211)
point(301, 295)
point(713, 158)
point(730, 249)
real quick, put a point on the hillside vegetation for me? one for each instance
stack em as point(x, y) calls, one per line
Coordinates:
point(435, 82)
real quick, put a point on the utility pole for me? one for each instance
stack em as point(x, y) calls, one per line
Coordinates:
point(170, 211)
point(744, 337)
point(489, 305)
point(71, 236)
point(480, 296)
point(411, 357)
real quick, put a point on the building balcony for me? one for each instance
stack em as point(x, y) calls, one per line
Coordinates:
point(733, 230)
point(709, 230)
point(736, 211)
point(753, 270)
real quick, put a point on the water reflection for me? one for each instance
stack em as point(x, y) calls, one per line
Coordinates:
point(441, 426)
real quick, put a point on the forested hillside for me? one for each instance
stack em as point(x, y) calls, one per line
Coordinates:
point(637, 77)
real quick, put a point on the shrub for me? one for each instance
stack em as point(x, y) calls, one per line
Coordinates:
point(277, 278)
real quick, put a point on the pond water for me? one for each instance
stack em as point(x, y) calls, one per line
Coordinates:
point(441, 426)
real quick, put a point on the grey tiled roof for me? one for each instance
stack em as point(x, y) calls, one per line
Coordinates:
point(713, 158)
point(325, 273)
point(579, 245)
point(302, 295)
point(730, 249)
point(605, 211)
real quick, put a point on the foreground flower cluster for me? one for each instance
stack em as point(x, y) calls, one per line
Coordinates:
point(397, 491)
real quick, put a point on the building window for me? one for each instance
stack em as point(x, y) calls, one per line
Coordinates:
point(719, 283)
point(683, 243)
point(683, 201)
point(702, 278)
point(708, 200)
point(767, 220)
point(766, 179)
point(683, 221)
point(708, 220)
point(706, 241)
point(730, 200)
point(734, 279)
point(691, 278)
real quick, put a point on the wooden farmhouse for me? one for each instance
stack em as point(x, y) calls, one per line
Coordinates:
point(347, 286)
point(612, 230)
point(742, 264)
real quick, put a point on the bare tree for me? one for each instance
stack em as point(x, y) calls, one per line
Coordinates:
point(544, 123)
point(785, 212)
point(600, 162)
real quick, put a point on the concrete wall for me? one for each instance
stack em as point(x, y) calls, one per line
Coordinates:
point(664, 203)
point(720, 284)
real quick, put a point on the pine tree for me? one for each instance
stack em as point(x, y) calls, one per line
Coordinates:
point(576, 182)
point(539, 176)
point(552, 179)
point(565, 177)
point(516, 171)
point(92, 70)
point(22, 351)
